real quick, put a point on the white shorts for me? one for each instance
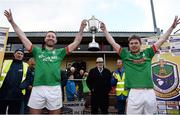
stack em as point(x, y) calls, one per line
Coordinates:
point(46, 96)
point(141, 101)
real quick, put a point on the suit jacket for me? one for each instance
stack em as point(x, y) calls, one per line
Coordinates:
point(99, 83)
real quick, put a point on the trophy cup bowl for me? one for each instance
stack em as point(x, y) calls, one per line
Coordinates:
point(93, 26)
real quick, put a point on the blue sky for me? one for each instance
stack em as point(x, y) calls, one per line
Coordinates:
point(66, 15)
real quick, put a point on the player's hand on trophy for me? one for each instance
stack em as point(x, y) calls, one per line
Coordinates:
point(83, 24)
point(102, 26)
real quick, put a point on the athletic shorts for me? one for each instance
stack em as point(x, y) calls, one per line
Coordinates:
point(141, 101)
point(46, 96)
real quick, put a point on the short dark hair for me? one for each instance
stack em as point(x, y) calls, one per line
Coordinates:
point(50, 32)
point(134, 37)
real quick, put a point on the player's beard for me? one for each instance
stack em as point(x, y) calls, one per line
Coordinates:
point(50, 43)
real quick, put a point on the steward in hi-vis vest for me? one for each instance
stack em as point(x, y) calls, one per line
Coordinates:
point(5, 70)
point(12, 83)
point(120, 89)
point(118, 80)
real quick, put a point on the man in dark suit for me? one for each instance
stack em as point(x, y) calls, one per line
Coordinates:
point(99, 82)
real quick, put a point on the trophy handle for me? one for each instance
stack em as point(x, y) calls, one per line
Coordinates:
point(99, 22)
point(87, 27)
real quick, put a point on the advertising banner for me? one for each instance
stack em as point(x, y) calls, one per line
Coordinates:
point(165, 73)
point(3, 41)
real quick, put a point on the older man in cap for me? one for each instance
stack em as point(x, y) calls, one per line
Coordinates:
point(99, 83)
point(12, 77)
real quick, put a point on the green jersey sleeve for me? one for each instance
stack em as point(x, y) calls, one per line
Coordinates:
point(62, 52)
point(123, 53)
point(150, 52)
point(35, 51)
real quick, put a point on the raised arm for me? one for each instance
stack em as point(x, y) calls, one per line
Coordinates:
point(109, 38)
point(165, 36)
point(78, 37)
point(26, 42)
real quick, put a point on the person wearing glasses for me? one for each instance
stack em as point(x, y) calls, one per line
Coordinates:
point(99, 83)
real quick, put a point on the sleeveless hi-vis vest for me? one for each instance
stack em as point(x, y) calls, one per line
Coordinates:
point(5, 69)
point(120, 85)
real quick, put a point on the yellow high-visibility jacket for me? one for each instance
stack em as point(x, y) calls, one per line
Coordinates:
point(5, 69)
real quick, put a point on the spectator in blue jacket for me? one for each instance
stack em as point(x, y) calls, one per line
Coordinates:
point(71, 89)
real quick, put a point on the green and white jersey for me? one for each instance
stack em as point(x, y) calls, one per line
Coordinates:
point(138, 68)
point(47, 69)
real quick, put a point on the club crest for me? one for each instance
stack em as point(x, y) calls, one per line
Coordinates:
point(166, 79)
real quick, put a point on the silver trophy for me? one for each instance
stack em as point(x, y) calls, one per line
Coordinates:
point(93, 26)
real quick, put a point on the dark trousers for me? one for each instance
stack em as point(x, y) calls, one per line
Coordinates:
point(14, 106)
point(24, 107)
point(80, 90)
point(121, 106)
point(63, 97)
point(86, 95)
point(99, 102)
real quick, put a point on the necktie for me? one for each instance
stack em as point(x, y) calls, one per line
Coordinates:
point(100, 70)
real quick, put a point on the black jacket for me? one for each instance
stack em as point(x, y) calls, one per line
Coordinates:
point(99, 83)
